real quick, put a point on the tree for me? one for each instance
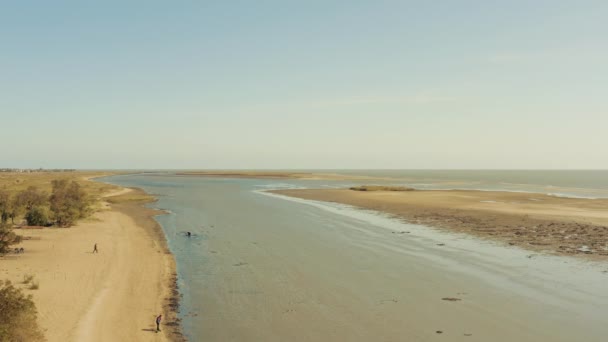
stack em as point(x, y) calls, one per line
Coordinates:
point(26, 200)
point(79, 199)
point(6, 205)
point(31, 197)
point(17, 315)
point(60, 203)
point(69, 202)
point(37, 216)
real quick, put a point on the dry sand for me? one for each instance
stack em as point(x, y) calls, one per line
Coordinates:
point(532, 221)
point(113, 295)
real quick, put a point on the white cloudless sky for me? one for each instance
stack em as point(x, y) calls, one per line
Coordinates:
point(315, 84)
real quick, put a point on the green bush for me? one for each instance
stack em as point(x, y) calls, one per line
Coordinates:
point(17, 316)
point(69, 202)
point(37, 216)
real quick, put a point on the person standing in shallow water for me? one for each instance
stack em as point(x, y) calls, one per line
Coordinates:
point(95, 249)
point(158, 318)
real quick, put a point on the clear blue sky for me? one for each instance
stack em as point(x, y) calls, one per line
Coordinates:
point(307, 84)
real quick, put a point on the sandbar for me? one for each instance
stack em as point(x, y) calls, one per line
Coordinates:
point(557, 225)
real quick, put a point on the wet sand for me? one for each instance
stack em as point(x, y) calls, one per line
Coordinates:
point(112, 295)
point(538, 222)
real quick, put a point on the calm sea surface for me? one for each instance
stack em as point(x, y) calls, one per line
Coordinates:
point(234, 275)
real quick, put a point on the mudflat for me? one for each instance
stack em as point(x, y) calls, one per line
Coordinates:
point(571, 226)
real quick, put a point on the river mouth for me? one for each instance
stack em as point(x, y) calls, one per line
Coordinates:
point(260, 267)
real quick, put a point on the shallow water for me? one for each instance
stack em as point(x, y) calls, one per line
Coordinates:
point(261, 267)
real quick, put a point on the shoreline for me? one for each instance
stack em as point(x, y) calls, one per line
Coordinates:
point(535, 222)
point(145, 217)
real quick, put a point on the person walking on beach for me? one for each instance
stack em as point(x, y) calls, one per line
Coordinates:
point(158, 318)
point(95, 248)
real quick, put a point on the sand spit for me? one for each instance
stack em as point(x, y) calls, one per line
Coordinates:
point(558, 225)
point(113, 295)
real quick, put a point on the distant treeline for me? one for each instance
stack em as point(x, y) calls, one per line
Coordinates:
point(35, 170)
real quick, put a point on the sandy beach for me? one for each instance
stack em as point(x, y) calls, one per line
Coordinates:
point(113, 295)
point(570, 226)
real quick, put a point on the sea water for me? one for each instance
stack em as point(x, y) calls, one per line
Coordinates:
point(240, 233)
